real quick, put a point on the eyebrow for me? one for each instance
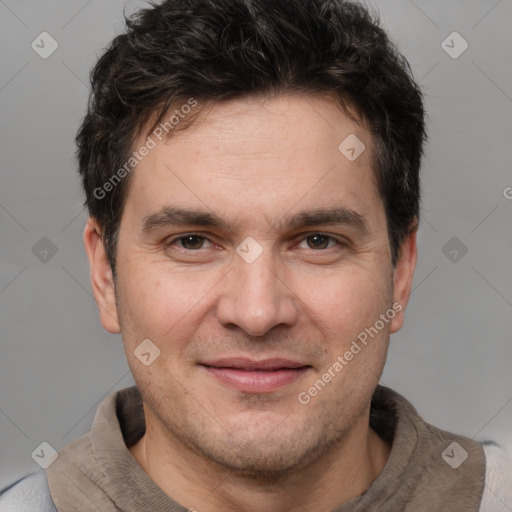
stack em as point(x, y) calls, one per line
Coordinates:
point(178, 216)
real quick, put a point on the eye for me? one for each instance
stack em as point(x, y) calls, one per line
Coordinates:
point(190, 242)
point(194, 242)
point(319, 241)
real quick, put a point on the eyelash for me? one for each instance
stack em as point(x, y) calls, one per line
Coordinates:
point(169, 243)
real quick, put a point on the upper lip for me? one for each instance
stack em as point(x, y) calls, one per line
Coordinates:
point(243, 363)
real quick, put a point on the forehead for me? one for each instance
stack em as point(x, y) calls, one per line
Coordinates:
point(257, 155)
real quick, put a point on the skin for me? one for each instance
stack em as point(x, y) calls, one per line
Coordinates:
point(253, 162)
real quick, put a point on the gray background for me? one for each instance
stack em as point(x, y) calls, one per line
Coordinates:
point(453, 357)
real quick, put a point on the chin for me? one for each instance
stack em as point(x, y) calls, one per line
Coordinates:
point(263, 456)
point(261, 466)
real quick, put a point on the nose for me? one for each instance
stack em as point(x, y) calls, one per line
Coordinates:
point(256, 296)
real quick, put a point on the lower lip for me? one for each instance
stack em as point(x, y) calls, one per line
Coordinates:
point(257, 381)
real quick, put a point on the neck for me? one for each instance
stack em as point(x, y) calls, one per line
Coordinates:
point(342, 473)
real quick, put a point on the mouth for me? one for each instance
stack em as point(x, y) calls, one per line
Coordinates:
point(250, 376)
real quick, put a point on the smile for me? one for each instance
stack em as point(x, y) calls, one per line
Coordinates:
point(250, 376)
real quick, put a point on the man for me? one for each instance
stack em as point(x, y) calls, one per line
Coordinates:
point(251, 170)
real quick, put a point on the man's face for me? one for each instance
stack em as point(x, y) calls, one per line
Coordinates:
point(250, 313)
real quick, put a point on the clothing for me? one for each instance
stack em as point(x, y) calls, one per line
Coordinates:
point(29, 494)
point(97, 471)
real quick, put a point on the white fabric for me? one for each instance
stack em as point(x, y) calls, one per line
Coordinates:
point(29, 495)
point(497, 495)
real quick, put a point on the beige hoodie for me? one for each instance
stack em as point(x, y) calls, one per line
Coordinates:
point(428, 469)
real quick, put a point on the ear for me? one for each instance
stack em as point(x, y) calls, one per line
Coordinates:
point(101, 277)
point(403, 277)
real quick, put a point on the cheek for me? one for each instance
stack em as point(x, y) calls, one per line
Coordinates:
point(346, 311)
point(347, 300)
point(162, 305)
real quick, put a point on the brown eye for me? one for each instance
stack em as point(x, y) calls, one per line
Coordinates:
point(318, 241)
point(191, 242)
